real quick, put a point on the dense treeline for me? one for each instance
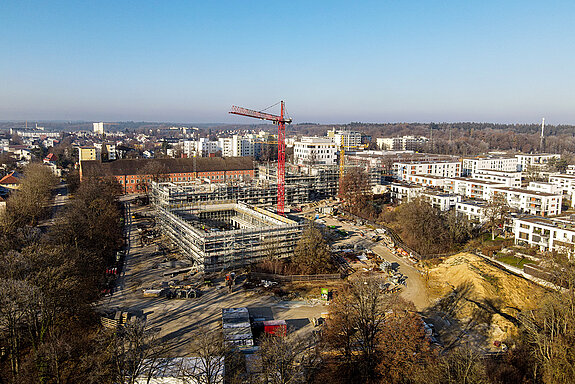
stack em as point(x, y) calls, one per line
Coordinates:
point(49, 282)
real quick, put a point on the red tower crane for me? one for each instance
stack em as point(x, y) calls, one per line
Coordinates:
point(281, 121)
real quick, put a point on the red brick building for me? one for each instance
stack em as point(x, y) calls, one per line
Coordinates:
point(134, 174)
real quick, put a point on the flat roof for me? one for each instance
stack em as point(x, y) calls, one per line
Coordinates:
point(527, 191)
point(428, 176)
point(470, 180)
point(497, 171)
point(551, 222)
point(572, 177)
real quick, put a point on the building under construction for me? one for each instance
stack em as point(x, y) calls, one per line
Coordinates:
point(300, 188)
point(220, 235)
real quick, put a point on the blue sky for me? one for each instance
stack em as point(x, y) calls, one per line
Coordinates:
point(331, 61)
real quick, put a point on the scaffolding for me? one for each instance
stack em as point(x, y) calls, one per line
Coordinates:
point(222, 235)
point(299, 189)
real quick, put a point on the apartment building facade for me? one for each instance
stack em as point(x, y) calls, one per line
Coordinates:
point(315, 150)
point(402, 170)
point(505, 164)
point(534, 160)
point(557, 234)
point(531, 202)
point(509, 179)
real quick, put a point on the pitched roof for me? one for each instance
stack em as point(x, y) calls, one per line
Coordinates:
point(11, 178)
point(123, 167)
point(51, 157)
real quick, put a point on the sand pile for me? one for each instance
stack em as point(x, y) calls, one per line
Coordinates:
point(468, 288)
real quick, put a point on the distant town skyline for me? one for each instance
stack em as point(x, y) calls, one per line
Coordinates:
point(331, 62)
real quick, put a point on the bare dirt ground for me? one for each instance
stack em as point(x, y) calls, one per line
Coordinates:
point(475, 299)
point(177, 319)
point(415, 289)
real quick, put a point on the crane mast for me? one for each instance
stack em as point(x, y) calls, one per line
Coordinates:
point(281, 121)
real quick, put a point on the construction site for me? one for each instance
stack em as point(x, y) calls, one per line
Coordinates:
point(318, 182)
point(217, 235)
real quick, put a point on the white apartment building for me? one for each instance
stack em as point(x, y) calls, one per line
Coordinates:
point(98, 128)
point(472, 188)
point(427, 180)
point(189, 148)
point(556, 234)
point(570, 170)
point(536, 160)
point(531, 202)
point(404, 143)
point(566, 183)
point(404, 192)
point(351, 139)
point(226, 145)
point(242, 146)
point(435, 168)
point(473, 210)
point(509, 179)
point(472, 165)
point(315, 150)
point(441, 200)
point(544, 187)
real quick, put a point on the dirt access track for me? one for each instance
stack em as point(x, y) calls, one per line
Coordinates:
point(415, 289)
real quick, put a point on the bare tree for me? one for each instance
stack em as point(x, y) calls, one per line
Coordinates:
point(136, 350)
point(496, 212)
point(357, 316)
point(286, 360)
point(355, 190)
point(209, 353)
point(312, 254)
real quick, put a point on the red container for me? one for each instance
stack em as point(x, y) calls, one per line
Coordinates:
point(275, 327)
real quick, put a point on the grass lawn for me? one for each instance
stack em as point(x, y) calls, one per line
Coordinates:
point(517, 262)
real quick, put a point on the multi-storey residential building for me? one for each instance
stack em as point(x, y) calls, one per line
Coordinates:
point(472, 188)
point(226, 146)
point(405, 143)
point(427, 180)
point(531, 202)
point(473, 210)
point(566, 183)
point(436, 168)
point(242, 146)
point(98, 128)
point(441, 200)
point(535, 160)
point(404, 192)
point(544, 187)
point(315, 150)
point(351, 139)
point(549, 234)
point(570, 170)
point(89, 153)
point(509, 179)
point(472, 165)
point(202, 147)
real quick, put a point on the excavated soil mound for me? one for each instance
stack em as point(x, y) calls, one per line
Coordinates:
point(479, 295)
